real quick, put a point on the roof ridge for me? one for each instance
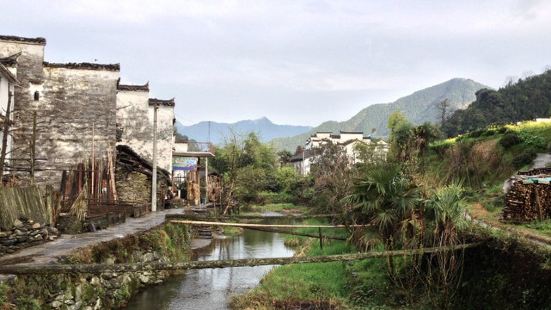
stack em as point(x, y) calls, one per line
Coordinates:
point(38, 40)
point(84, 66)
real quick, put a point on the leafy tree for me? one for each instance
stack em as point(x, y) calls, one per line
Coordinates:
point(526, 99)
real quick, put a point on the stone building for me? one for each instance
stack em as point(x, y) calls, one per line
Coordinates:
point(80, 108)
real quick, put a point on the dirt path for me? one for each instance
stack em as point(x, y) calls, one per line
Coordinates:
point(64, 245)
point(479, 216)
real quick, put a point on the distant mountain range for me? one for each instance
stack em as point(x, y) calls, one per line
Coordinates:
point(265, 128)
point(419, 107)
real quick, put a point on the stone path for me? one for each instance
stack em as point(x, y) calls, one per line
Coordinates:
point(65, 244)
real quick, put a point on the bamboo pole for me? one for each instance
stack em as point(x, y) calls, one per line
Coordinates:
point(248, 217)
point(251, 262)
point(259, 225)
point(287, 232)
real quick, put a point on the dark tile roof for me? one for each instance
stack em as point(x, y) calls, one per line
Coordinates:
point(22, 39)
point(127, 87)
point(10, 61)
point(167, 103)
point(352, 132)
point(8, 74)
point(299, 156)
point(84, 66)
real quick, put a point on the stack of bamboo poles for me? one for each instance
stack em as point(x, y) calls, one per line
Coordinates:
point(89, 187)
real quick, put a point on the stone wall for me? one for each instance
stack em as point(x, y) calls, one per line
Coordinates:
point(167, 243)
point(25, 233)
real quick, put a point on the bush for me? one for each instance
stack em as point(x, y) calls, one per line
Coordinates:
point(536, 142)
point(272, 197)
point(476, 133)
point(510, 139)
point(524, 158)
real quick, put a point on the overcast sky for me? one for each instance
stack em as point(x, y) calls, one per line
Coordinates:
point(295, 62)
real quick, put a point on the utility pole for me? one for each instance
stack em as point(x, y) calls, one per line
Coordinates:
point(33, 147)
point(154, 170)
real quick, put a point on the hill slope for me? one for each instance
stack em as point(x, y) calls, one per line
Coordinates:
point(218, 131)
point(419, 107)
point(527, 99)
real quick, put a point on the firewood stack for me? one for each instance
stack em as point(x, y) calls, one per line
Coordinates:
point(527, 201)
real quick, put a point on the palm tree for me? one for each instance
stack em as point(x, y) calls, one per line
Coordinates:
point(386, 198)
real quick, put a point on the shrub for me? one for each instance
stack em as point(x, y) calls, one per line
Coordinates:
point(476, 133)
point(273, 197)
point(524, 158)
point(537, 142)
point(510, 139)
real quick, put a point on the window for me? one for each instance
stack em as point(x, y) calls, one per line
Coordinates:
point(36, 96)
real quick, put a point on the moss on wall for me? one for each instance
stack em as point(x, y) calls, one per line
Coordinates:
point(168, 243)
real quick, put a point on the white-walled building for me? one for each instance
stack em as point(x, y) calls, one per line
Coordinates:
point(135, 123)
point(8, 81)
point(349, 141)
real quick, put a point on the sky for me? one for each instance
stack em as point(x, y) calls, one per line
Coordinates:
point(295, 62)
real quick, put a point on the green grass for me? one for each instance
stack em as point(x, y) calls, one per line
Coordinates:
point(273, 207)
point(232, 231)
point(543, 227)
point(302, 282)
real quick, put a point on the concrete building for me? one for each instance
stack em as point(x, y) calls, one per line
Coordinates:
point(348, 141)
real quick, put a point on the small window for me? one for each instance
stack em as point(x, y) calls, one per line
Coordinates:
point(36, 96)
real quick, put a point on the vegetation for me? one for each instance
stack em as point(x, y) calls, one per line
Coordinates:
point(253, 174)
point(526, 99)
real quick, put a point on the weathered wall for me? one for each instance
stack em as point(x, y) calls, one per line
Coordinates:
point(75, 103)
point(135, 122)
point(72, 99)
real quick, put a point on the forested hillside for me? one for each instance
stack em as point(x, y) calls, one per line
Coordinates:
point(524, 100)
point(419, 107)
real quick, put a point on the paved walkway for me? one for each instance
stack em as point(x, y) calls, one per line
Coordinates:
point(65, 244)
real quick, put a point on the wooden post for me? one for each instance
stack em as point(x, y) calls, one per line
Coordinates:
point(154, 170)
point(93, 157)
point(206, 180)
point(321, 238)
point(5, 134)
point(45, 268)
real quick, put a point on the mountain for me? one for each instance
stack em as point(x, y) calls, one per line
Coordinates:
point(419, 107)
point(219, 131)
point(526, 99)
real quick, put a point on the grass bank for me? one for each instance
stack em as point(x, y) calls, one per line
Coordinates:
point(284, 208)
point(319, 286)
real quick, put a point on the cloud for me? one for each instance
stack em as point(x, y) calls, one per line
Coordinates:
point(230, 59)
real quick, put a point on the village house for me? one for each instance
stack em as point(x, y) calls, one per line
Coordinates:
point(135, 123)
point(8, 81)
point(348, 141)
point(80, 109)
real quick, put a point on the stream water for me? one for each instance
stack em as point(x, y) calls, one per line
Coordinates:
point(213, 288)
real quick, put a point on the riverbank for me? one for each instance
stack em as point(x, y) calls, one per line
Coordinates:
point(165, 243)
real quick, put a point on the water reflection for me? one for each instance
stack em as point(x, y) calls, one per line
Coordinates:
point(212, 288)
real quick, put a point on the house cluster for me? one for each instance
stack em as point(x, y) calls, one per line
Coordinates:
point(348, 141)
point(76, 109)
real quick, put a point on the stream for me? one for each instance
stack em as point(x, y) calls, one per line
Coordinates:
point(213, 288)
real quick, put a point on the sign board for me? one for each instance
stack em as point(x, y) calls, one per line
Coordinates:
point(184, 163)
